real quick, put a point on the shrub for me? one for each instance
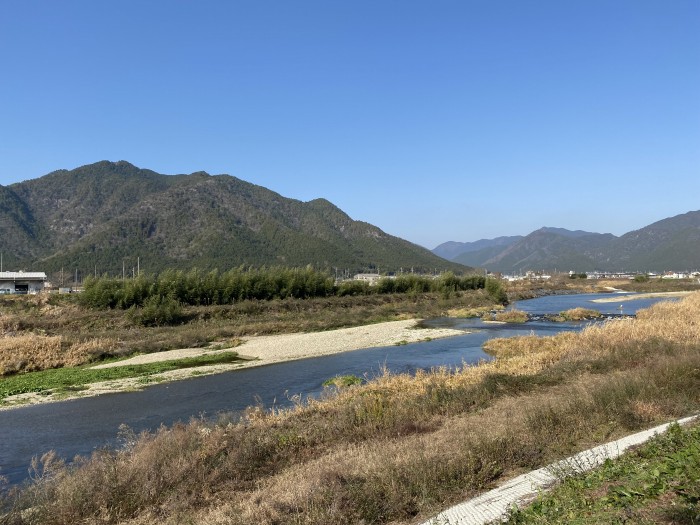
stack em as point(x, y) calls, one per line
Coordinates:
point(156, 311)
point(495, 290)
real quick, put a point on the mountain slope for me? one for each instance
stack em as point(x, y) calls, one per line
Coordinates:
point(18, 228)
point(669, 244)
point(105, 215)
point(451, 250)
point(551, 250)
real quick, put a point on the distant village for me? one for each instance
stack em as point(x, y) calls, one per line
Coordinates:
point(534, 276)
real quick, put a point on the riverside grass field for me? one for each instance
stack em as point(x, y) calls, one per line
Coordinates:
point(398, 449)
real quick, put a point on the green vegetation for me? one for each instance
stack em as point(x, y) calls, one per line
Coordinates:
point(62, 379)
point(656, 483)
point(160, 295)
point(343, 381)
point(399, 448)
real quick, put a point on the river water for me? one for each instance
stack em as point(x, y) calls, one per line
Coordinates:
point(80, 426)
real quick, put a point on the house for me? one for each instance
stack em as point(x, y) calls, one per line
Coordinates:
point(371, 278)
point(22, 282)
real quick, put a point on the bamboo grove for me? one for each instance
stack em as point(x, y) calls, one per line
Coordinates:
point(195, 288)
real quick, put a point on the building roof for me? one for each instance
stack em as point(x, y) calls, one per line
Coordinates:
point(30, 276)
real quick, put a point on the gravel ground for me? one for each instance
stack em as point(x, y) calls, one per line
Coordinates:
point(285, 347)
point(259, 350)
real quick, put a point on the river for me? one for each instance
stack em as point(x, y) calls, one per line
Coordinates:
point(77, 427)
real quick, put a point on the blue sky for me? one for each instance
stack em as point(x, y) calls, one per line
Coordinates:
point(434, 120)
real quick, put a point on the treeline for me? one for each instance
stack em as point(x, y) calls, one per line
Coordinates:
point(218, 288)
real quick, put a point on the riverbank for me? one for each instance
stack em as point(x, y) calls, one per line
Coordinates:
point(397, 449)
point(626, 296)
point(254, 351)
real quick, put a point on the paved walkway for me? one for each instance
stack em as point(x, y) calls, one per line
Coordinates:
point(495, 504)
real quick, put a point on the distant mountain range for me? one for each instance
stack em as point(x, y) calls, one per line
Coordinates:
point(669, 244)
point(109, 215)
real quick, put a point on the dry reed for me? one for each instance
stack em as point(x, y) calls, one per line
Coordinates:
point(31, 352)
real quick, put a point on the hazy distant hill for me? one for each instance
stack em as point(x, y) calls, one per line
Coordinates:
point(451, 250)
point(672, 243)
point(99, 215)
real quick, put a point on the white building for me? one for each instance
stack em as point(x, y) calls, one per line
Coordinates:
point(21, 282)
point(371, 278)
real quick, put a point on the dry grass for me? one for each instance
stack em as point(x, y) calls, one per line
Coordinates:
point(31, 352)
point(468, 313)
point(398, 448)
point(510, 316)
point(579, 314)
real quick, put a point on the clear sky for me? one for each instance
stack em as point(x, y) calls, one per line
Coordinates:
point(434, 120)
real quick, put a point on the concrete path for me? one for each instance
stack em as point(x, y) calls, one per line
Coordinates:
point(495, 504)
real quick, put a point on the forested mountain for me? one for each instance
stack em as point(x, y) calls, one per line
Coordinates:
point(102, 216)
point(451, 249)
point(669, 244)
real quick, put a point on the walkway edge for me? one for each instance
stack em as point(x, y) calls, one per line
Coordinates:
point(495, 504)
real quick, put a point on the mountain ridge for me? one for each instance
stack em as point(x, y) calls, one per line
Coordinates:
point(672, 243)
point(95, 216)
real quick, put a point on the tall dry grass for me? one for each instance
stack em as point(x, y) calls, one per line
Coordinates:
point(32, 352)
point(394, 450)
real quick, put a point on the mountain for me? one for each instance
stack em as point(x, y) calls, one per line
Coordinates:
point(105, 216)
point(451, 250)
point(551, 249)
point(669, 244)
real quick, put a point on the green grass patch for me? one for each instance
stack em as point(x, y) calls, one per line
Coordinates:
point(61, 380)
point(343, 381)
point(657, 483)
